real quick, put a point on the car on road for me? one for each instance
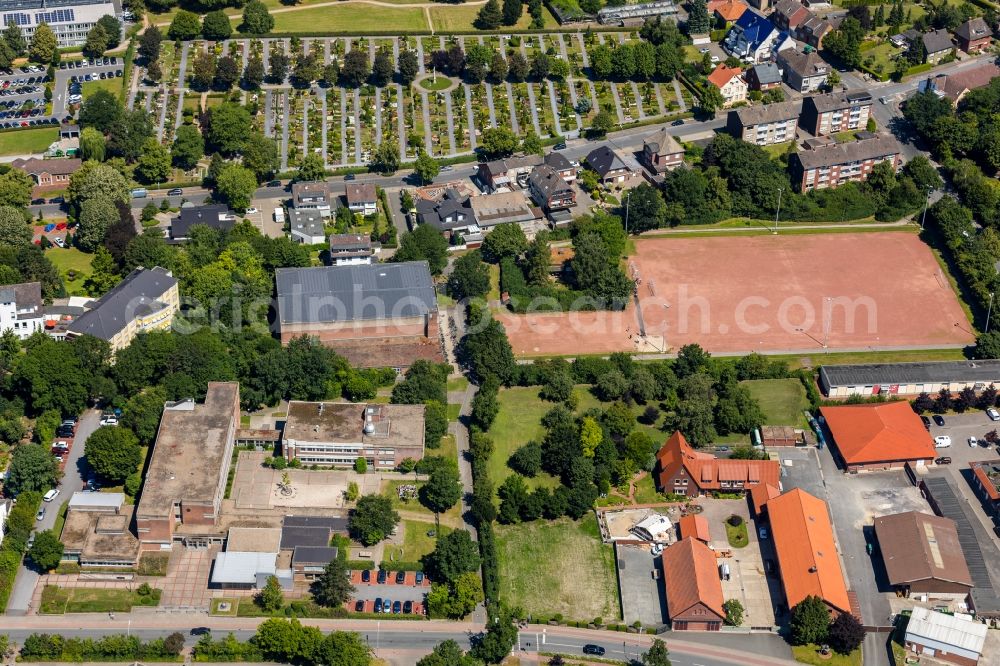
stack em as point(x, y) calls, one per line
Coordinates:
point(381, 577)
point(175, 192)
point(200, 631)
point(938, 420)
point(109, 421)
point(447, 167)
point(973, 442)
point(397, 607)
point(993, 414)
point(350, 176)
point(595, 650)
point(40, 516)
point(926, 421)
point(366, 576)
point(678, 122)
point(942, 441)
point(400, 577)
point(51, 495)
point(378, 604)
point(943, 460)
point(273, 183)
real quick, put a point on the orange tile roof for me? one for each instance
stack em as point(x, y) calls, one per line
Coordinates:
point(807, 552)
point(722, 75)
point(728, 10)
point(707, 471)
point(694, 525)
point(877, 433)
point(691, 577)
point(761, 494)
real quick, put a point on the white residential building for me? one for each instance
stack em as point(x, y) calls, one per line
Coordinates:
point(21, 309)
point(70, 20)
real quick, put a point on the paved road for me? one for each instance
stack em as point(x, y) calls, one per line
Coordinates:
point(72, 480)
point(394, 635)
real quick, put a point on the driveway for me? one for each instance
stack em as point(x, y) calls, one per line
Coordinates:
point(73, 479)
point(642, 595)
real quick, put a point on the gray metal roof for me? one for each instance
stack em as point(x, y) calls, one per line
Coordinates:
point(137, 294)
point(350, 293)
point(333, 523)
point(911, 373)
point(314, 555)
point(762, 114)
point(937, 41)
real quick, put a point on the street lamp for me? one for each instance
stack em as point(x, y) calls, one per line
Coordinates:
point(778, 212)
point(628, 196)
point(989, 311)
point(923, 216)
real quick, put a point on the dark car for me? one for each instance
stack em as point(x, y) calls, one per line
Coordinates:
point(274, 183)
point(397, 607)
point(37, 202)
point(677, 123)
point(359, 606)
point(350, 176)
point(943, 460)
point(938, 419)
point(597, 650)
point(420, 577)
point(559, 146)
point(175, 192)
point(378, 604)
point(400, 577)
point(200, 631)
point(381, 578)
point(407, 607)
point(366, 576)
point(927, 422)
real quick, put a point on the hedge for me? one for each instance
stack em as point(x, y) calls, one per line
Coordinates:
point(20, 522)
point(401, 566)
point(360, 565)
point(115, 647)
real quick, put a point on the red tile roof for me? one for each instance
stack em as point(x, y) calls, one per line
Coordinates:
point(728, 10)
point(707, 471)
point(695, 526)
point(878, 433)
point(691, 577)
point(722, 75)
point(806, 549)
point(761, 494)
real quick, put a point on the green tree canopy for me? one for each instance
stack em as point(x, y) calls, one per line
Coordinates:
point(424, 243)
point(333, 587)
point(455, 554)
point(47, 550)
point(810, 621)
point(184, 26)
point(257, 20)
point(32, 468)
point(44, 46)
point(216, 26)
point(372, 519)
point(113, 453)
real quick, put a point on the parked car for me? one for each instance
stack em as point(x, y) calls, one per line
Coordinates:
point(762, 533)
point(387, 606)
point(926, 421)
point(420, 577)
point(366, 576)
point(397, 607)
point(938, 420)
point(350, 176)
point(407, 607)
point(378, 604)
point(51, 495)
point(109, 421)
point(251, 211)
point(359, 606)
point(175, 192)
point(40, 515)
point(942, 441)
point(993, 414)
point(400, 577)
point(595, 650)
point(973, 442)
point(381, 577)
point(943, 460)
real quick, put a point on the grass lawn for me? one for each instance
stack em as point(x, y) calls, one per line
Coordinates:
point(541, 564)
point(809, 654)
point(416, 541)
point(356, 18)
point(113, 86)
point(796, 361)
point(738, 537)
point(453, 412)
point(645, 491)
point(433, 84)
point(231, 612)
point(27, 141)
point(448, 448)
point(61, 518)
point(776, 150)
point(494, 294)
point(457, 384)
point(882, 56)
point(782, 400)
point(454, 18)
point(71, 259)
point(451, 517)
point(56, 600)
point(153, 564)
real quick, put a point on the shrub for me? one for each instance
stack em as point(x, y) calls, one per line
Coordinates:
point(735, 520)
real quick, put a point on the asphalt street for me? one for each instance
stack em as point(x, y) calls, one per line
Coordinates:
point(72, 480)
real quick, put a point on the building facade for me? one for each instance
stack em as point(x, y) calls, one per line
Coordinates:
point(681, 470)
point(974, 36)
point(70, 20)
point(833, 164)
point(730, 82)
point(316, 197)
point(661, 152)
point(21, 309)
point(48, 174)
point(804, 72)
point(548, 189)
point(907, 379)
point(692, 587)
point(836, 112)
point(766, 124)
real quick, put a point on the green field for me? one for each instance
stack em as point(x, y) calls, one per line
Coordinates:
point(796, 361)
point(416, 542)
point(350, 17)
point(27, 141)
point(113, 86)
point(455, 18)
point(560, 566)
point(413, 507)
point(71, 259)
point(782, 400)
point(57, 600)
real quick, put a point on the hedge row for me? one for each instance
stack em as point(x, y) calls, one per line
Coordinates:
point(20, 522)
point(417, 33)
point(401, 566)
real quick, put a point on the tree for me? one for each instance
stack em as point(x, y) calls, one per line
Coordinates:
point(356, 69)
point(101, 111)
point(457, 599)
point(512, 10)
point(227, 128)
point(47, 551)
point(154, 163)
point(372, 520)
point(424, 243)
point(540, 65)
point(141, 413)
point(14, 39)
point(499, 639)
point(498, 67)
point(96, 217)
point(184, 26)
point(96, 43)
point(256, 19)
point(506, 240)
point(236, 185)
point(498, 142)
point(845, 42)
point(149, 44)
point(490, 16)
point(113, 453)
point(92, 146)
point(408, 66)
point(227, 73)
point(845, 634)
point(442, 490)
point(470, 278)
point(711, 99)
point(253, 75)
point(382, 67)
point(203, 70)
point(307, 69)
point(311, 168)
point(646, 208)
point(32, 468)
point(188, 147)
point(112, 28)
point(988, 345)
point(448, 653)
point(271, 597)
point(809, 621)
point(43, 45)
point(698, 20)
point(657, 654)
point(260, 155)
point(333, 587)
point(426, 167)
point(517, 67)
point(14, 229)
point(15, 188)
point(734, 612)
point(386, 158)
point(216, 26)
point(454, 554)
point(602, 123)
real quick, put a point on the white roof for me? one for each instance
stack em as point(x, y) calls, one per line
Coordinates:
point(927, 625)
point(236, 567)
point(655, 527)
point(91, 500)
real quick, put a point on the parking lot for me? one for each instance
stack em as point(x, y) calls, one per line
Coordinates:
point(642, 595)
point(408, 592)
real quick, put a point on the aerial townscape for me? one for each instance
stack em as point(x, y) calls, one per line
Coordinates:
point(332, 335)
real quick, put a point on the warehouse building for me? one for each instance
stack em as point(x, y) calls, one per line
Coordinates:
point(878, 436)
point(922, 555)
point(950, 638)
point(907, 379)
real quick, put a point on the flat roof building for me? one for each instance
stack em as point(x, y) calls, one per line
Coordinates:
point(922, 555)
point(307, 226)
point(878, 436)
point(907, 379)
point(951, 638)
point(70, 20)
point(186, 478)
point(338, 433)
point(213, 216)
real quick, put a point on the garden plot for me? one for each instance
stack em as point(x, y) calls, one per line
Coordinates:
point(480, 106)
point(298, 101)
point(630, 105)
point(650, 103)
point(460, 119)
point(414, 121)
point(429, 45)
point(583, 93)
point(522, 108)
point(605, 98)
point(390, 114)
point(564, 102)
point(351, 130)
point(315, 122)
point(544, 107)
point(440, 143)
point(334, 129)
point(366, 117)
point(173, 99)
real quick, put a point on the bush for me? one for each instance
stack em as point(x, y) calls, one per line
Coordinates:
point(735, 520)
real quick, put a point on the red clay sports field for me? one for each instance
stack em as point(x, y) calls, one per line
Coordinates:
point(790, 293)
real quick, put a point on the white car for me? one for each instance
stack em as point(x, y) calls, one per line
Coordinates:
point(993, 414)
point(942, 441)
point(973, 442)
point(251, 211)
point(51, 495)
point(109, 421)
